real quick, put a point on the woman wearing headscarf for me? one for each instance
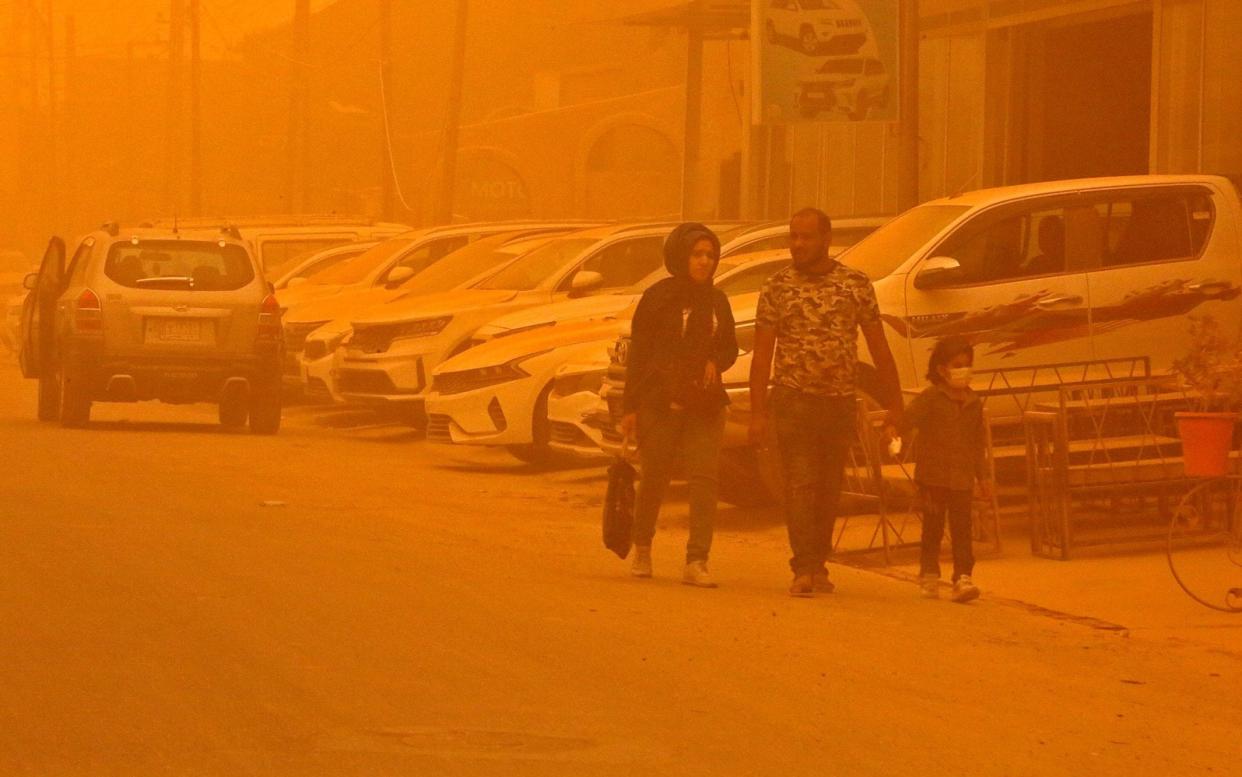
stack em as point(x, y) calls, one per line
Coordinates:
point(682, 341)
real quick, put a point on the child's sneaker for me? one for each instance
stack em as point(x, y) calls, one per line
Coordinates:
point(964, 590)
point(929, 586)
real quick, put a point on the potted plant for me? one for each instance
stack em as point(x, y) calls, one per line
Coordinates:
point(1212, 369)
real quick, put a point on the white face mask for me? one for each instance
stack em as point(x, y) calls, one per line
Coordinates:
point(959, 377)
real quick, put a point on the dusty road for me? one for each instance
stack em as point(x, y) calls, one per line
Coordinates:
point(408, 610)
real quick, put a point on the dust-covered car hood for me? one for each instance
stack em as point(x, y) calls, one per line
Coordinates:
point(344, 304)
point(581, 309)
point(506, 349)
point(449, 303)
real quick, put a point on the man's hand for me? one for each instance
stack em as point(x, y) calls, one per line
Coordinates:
point(628, 426)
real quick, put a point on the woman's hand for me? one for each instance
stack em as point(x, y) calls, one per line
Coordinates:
point(628, 426)
point(710, 374)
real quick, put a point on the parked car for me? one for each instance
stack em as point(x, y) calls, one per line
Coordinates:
point(148, 314)
point(396, 260)
point(1047, 273)
point(282, 242)
point(321, 262)
point(817, 26)
point(850, 85)
point(326, 323)
point(395, 347)
point(14, 267)
point(496, 394)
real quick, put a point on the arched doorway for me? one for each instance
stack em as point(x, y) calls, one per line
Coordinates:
point(632, 172)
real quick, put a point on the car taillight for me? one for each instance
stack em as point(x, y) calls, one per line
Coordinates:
point(88, 314)
point(269, 320)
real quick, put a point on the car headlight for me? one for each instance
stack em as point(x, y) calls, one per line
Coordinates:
point(568, 385)
point(462, 381)
point(425, 327)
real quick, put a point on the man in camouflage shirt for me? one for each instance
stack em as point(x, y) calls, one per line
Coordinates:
point(808, 320)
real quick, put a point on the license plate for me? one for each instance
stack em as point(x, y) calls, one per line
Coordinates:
point(176, 330)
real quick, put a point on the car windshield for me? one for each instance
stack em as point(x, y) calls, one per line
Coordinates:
point(357, 269)
point(879, 254)
point(537, 266)
point(179, 264)
point(463, 265)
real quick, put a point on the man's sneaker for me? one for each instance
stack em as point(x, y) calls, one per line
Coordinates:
point(820, 583)
point(640, 565)
point(803, 585)
point(929, 585)
point(698, 576)
point(964, 590)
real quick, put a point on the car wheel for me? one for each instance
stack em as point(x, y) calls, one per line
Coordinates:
point(233, 412)
point(809, 40)
point(539, 451)
point(49, 398)
point(265, 407)
point(75, 398)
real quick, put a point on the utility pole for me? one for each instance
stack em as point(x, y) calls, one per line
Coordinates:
point(69, 196)
point(452, 129)
point(196, 127)
point(176, 52)
point(908, 122)
point(53, 161)
point(299, 85)
point(387, 166)
point(694, 110)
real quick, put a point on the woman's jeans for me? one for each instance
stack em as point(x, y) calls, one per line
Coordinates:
point(662, 434)
point(939, 503)
point(814, 434)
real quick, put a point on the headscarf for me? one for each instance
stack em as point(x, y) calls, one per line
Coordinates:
point(698, 299)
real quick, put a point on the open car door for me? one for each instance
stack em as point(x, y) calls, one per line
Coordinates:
point(39, 312)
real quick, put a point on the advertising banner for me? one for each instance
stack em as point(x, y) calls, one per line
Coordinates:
point(825, 60)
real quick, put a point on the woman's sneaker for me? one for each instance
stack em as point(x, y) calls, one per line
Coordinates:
point(698, 576)
point(640, 565)
point(803, 586)
point(820, 583)
point(929, 586)
point(964, 590)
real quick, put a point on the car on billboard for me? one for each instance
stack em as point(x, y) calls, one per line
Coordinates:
point(817, 26)
point(854, 86)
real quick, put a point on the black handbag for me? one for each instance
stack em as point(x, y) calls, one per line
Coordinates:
point(619, 507)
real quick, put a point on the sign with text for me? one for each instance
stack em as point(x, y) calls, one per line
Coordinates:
point(825, 60)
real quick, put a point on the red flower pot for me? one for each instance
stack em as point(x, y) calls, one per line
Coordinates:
point(1207, 439)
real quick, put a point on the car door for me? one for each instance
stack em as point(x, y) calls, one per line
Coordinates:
point(620, 264)
point(39, 311)
point(1169, 252)
point(1018, 291)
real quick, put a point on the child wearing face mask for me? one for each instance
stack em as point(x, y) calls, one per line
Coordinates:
point(950, 463)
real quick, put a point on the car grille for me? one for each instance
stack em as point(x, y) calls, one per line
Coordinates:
point(374, 339)
point(296, 334)
point(564, 433)
point(315, 349)
point(366, 382)
point(438, 428)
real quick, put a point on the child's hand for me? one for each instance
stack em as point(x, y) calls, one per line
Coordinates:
point(985, 489)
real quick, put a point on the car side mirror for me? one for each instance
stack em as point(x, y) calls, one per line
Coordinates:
point(398, 276)
point(31, 281)
point(585, 281)
point(937, 272)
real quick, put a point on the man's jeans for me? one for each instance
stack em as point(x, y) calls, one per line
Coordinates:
point(814, 434)
point(957, 506)
point(662, 434)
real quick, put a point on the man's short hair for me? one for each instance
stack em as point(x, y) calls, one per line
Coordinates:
point(825, 223)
